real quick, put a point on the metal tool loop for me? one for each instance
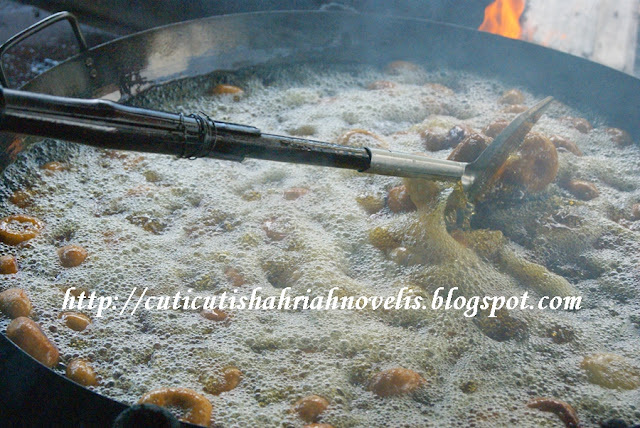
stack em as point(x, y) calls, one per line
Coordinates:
point(38, 26)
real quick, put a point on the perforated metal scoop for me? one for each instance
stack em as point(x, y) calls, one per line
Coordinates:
point(476, 176)
point(110, 125)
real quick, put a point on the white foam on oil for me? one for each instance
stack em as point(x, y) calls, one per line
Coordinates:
point(174, 225)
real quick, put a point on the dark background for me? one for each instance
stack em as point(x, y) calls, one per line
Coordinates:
point(125, 16)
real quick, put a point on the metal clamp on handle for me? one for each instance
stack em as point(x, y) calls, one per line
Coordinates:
point(40, 25)
point(198, 144)
point(201, 142)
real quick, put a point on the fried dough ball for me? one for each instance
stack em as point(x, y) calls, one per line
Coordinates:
point(18, 228)
point(251, 195)
point(273, 229)
point(227, 90)
point(611, 371)
point(75, 320)
point(445, 90)
point(493, 129)
point(512, 96)
point(214, 315)
point(383, 239)
point(582, 189)
point(399, 67)
point(72, 255)
point(563, 143)
point(534, 166)
point(396, 381)
point(134, 162)
point(281, 272)
point(579, 123)
point(295, 193)
point(20, 199)
point(470, 148)
point(619, 136)
point(80, 371)
point(15, 303)
point(197, 408)
point(381, 84)
point(434, 140)
point(398, 200)
point(234, 276)
point(54, 166)
point(563, 410)
point(29, 337)
point(231, 377)
point(309, 408)
point(8, 265)
point(76, 291)
point(362, 138)
point(371, 203)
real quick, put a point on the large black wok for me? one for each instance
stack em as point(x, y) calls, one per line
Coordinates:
point(118, 70)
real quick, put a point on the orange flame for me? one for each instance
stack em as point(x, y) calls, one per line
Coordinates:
point(503, 17)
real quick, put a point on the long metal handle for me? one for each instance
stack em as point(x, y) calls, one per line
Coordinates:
point(106, 124)
point(110, 125)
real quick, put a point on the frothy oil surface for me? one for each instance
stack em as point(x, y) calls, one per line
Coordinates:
point(169, 225)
